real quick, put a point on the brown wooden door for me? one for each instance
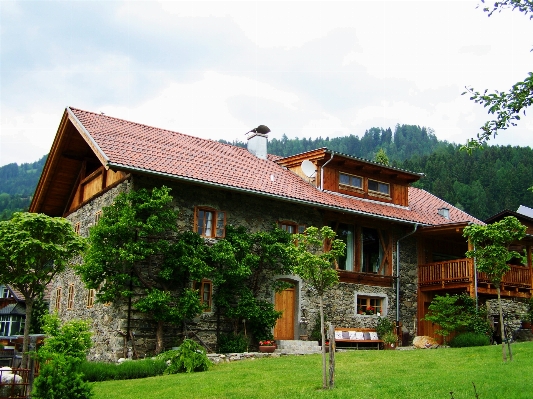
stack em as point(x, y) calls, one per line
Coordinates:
point(284, 302)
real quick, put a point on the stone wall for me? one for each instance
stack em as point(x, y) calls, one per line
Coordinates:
point(408, 288)
point(110, 322)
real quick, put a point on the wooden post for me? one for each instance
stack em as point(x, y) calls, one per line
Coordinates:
point(331, 356)
point(528, 254)
point(473, 276)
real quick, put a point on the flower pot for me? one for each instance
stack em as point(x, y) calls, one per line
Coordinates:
point(526, 325)
point(267, 348)
point(389, 346)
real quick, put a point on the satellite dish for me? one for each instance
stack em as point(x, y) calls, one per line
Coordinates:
point(308, 168)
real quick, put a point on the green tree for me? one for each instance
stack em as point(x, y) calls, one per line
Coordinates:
point(33, 249)
point(381, 157)
point(491, 252)
point(315, 253)
point(65, 347)
point(506, 106)
point(244, 265)
point(135, 249)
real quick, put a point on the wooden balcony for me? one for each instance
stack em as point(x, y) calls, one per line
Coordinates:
point(459, 273)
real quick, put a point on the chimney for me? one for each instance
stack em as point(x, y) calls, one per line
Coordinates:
point(257, 141)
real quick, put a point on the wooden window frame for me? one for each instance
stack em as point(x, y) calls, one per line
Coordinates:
point(70, 298)
point(91, 293)
point(57, 303)
point(349, 186)
point(377, 192)
point(286, 224)
point(217, 216)
point(207, 301)
point(363, 302)
point(77, 227)
point(97, 217)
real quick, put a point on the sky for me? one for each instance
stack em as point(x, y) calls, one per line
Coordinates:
point(218, 69)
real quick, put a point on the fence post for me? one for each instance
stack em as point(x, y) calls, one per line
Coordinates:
point(331, 356)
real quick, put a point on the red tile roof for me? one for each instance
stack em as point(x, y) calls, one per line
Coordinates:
point(136, 147)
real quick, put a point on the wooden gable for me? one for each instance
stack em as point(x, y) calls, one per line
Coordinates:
point(75, 171)
point(329, 165)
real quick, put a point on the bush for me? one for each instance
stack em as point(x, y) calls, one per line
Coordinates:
point(232, 343)
point(189, 357)
point(469, 339)
point(101, 371)
point(384, 326)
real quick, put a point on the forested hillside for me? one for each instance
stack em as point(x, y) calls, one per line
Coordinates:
point(407, 141)
point(488, 181)
point(17, 184)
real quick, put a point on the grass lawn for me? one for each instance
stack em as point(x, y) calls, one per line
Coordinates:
point(365, 374)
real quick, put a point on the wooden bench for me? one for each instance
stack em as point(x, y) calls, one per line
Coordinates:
point(354, 337)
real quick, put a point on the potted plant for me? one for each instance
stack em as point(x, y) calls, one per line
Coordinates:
point(267, 346)
point(383, 326)
point(390, 340)
point(526, 320)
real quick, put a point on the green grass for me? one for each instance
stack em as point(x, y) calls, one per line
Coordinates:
point(420, 374)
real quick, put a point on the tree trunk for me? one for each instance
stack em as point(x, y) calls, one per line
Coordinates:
point(26, 341)
point(159, 338)
point(331, 356)
point(324, 372)
point(502, 329)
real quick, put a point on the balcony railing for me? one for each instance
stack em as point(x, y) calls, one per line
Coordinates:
point(460, 271)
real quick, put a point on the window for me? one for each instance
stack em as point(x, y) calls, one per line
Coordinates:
point(367, 305)
point(90, 297)
point(205, 290)
point(210, 223)
point(378, 187)
point(70, 298)
point(350, 180)
point(291, 227)
point(77, 226)
point(11, 325)
point(57, 304)
point(367, 249)
point(371, 251)
point(97, 217)
point(6, 293)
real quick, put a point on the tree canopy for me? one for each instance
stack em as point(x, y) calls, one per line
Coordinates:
point(136, 249)
point(33, 249)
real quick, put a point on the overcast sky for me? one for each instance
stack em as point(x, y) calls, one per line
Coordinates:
point(218, 69)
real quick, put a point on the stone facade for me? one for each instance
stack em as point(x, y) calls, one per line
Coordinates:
point(111, 321)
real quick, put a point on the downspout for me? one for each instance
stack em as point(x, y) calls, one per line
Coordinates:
point(398, 274)
point(322, 172)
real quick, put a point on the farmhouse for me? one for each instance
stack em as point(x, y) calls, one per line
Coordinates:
point(403, 243)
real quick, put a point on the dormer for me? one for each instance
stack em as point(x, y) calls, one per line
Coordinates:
point(356, 177)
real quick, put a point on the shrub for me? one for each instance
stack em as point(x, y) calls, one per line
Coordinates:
point(232, 343)
point(384, 326)
point(469, 339)
point(101, 371)
point(189, 357)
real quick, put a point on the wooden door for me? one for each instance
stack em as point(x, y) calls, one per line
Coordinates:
point(284, 302)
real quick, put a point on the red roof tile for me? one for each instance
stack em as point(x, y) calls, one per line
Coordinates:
point(134, 146)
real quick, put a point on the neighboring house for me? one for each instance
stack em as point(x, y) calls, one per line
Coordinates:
point(402, 242)
point(12, 313)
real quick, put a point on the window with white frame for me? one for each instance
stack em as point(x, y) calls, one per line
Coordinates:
point(11, 324)
point(370, 304)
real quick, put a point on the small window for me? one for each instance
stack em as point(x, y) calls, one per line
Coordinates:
point(6, 293)
point(90, 297)
point(350, 180)
point(291, 227)
point(57, 304)
point(210, 222)
point(97, 217)
point(379, 187)
point(77, 226)
point(369, 305)
point(205, 290)
point(70, 298)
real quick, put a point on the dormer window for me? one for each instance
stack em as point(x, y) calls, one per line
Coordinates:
point(378, 187)
point(350, 180)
